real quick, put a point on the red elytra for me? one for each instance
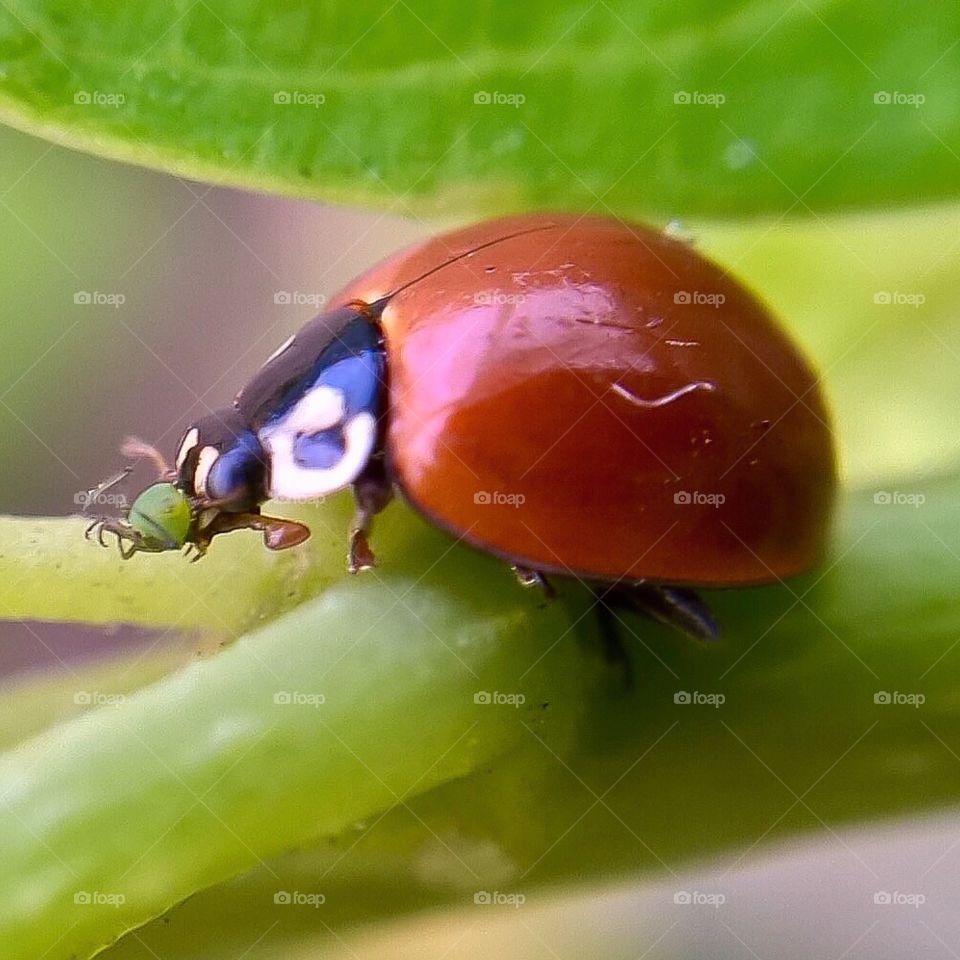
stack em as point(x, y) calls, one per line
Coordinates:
point(596, 398)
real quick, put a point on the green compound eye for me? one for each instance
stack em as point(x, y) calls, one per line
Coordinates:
point(162, 517)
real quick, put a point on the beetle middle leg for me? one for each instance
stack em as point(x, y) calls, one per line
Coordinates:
point(528, 577)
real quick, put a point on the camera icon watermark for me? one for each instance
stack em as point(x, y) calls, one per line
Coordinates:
point(495, 697)
point(895, 98)
point(696, 698)
point(98, 98)
point(686, 298)
point(897, 898)
point(96, 698)
point(496, 98)
point(697, 498)
point(698, 98)
point(299, 298)
point(85, 499)
point(886, 698)
point(298, 98)
point(898, 498)
point(297, 698)
point(497, 898)
point(898, 298)
point(495, 498)
point(97, 298)
point(686, 898)
point(494, 298)
point(97, 898)
point(295, 898)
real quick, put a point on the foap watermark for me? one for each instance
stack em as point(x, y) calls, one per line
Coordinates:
point(898, 498)
point(298, 98)
point(297, 698)
point(299, 298)
point(295, 898)
point(697, 498)
point(897, 699)
point(98, 98)
point(495, 697)
point(498, 898)
point(699, 898)
point(699, 298)
point(85, 499)
point(498, 99)
point(698, 98)
point(97, 298)
point(494, 298)
point(698, 699)
point(96, 698)
point(897, 898)
point(896, 98)
point(495, 498)
point(97, 898)
point(898, 298)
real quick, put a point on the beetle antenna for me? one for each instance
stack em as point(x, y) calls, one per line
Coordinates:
point(133, 448)
point(378, 306)
point(94, 494)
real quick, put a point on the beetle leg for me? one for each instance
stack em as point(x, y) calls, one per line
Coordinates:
point(278, 534)
point(528, 577)
point(614, 649)
point(677, 607)
point(123, 533)
point(372, 491)
point(129, 551)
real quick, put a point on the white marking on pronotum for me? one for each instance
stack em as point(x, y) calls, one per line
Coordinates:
point(208, 457)
point(283, 346)
point(322, 407)
point(186, 445)
point(666, 398)
point(290, 480)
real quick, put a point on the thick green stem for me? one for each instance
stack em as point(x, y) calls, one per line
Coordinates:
point(348, 706)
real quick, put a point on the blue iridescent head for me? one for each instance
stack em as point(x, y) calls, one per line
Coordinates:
point(220, 459)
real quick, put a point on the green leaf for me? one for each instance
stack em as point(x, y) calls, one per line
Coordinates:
point(379, 107)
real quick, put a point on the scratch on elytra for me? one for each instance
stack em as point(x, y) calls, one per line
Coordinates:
point(667, 398)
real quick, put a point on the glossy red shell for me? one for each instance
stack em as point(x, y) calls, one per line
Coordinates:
point(598, 399)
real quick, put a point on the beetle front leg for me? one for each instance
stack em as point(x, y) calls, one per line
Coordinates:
point(124, 535)
point(372, 491)
point(278, 534)
point(127, 552)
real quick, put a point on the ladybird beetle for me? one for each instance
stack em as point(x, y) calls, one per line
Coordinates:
point(576, 395)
